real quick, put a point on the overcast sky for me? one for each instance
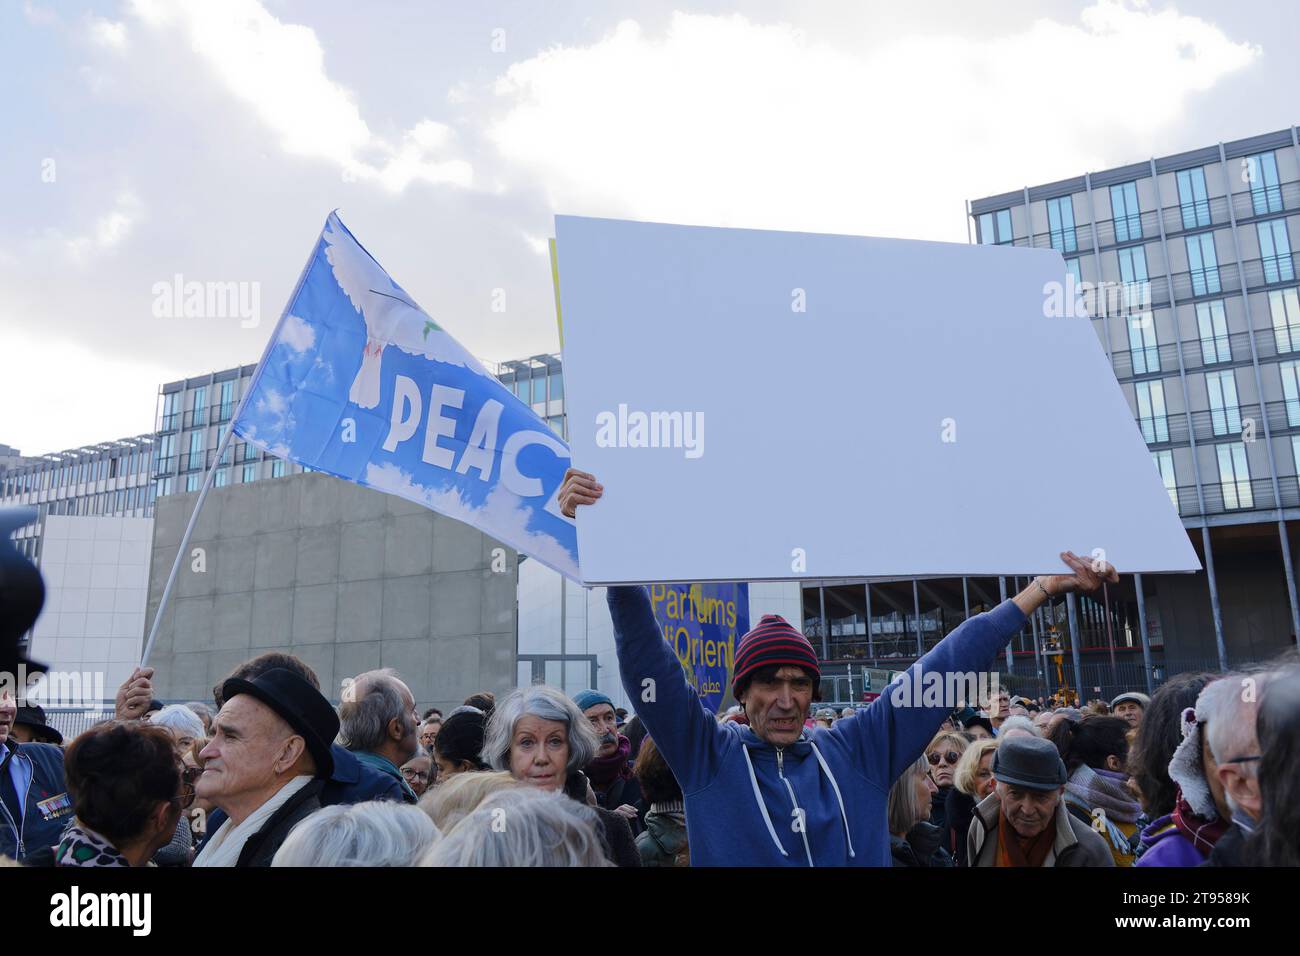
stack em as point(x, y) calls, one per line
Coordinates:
point(210, 140)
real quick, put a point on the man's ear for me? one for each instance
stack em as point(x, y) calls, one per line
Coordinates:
point(395, 729)
point(293, 748)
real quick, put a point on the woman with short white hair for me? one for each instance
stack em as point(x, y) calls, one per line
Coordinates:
point(524, 827)
point(185, 725)
point(378, 833)
point(543, 740)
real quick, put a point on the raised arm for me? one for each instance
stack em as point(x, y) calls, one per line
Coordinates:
point(686, 733)
point(894, 731)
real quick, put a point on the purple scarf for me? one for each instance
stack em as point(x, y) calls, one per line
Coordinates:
point(603, 771)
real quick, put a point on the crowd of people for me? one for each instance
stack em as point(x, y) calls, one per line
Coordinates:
point(272, 773)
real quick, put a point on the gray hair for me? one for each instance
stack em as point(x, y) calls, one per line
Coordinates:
point(180, 720)
point(546, 703)
point(379, 833)
point(1229, 706)
point(369, 703)
point(901, 809)
point(524, 827)
point(1019, 721)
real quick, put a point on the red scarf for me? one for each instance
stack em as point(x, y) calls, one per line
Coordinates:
point(1014, 850)
point(603, 771)
point(1202, 833)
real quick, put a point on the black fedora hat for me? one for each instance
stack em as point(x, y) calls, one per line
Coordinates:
point(1029, 762)
point(302, 706)
point(33, 716)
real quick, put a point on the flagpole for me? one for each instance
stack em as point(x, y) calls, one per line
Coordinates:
point(221, 448)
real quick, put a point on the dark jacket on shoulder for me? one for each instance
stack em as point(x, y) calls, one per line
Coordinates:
point(32, 821)
point(260, 848)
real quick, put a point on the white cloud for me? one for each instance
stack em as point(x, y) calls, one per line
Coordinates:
point(297, 334)
point(110, 229)
point(725, 121)
point(278, 70)
point(107, 33)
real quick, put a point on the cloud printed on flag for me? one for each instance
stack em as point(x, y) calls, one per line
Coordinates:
point(360, 382)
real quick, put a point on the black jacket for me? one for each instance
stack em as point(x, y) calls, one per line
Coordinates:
point(920, 847)
point(34, 820)
point(620, 845)
point(1230, 850)
point(620, 792)
point(260, 848)
point(959, 810)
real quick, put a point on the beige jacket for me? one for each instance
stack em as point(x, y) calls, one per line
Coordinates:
point(1075, 845)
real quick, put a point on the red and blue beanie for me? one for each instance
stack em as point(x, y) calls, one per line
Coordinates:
point(773, 642)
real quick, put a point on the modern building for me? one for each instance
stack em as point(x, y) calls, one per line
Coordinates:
point(1187, 266)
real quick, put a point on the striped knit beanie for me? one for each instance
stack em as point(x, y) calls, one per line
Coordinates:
point(773, 641)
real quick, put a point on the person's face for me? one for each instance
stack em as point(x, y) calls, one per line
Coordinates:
point(1019, 709)
point(429, 733)
point(978, 732)
point(999, 706)
point(922, 789)
point(8, 711)
point(1030, 811)
point(605, 723)
point(1042, 719)
point(984, 776)
point(183, 742)
point(448, 769)
point(776, 707)
point(409, 742)
point(1131, 711)
point(943, 757)
point(249, 749)
point(416, 772)
point(539, 752)
point(1211, 770)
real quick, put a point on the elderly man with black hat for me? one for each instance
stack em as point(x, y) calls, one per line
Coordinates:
point(266, 765)
point(1024, 822)
point(772, 793)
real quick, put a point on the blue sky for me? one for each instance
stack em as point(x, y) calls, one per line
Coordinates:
point(210, 141)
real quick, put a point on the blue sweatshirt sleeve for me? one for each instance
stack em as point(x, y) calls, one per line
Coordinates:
point(688, 735)
point(894, 730)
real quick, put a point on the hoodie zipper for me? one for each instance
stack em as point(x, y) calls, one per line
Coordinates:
point(20, 828)
point(801, 816)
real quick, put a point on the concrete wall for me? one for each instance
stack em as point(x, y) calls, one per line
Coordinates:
point(346, 578)
point(96, 570)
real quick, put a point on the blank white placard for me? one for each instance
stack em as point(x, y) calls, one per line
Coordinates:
point(824, 429)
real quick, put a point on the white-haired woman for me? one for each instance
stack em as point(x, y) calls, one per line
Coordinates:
point(913, 839)
point(378, 833)
point(525, 827)
point(543, 740)
point(185, 727)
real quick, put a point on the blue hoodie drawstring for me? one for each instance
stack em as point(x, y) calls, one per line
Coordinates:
point(758, 798)
point(836, 787)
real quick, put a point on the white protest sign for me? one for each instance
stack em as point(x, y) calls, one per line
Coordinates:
point(766, 405)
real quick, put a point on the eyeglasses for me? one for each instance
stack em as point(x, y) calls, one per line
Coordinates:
point(415, 774)
point(950, 757)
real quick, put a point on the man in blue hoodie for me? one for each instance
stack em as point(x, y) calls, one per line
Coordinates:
point(773, 793)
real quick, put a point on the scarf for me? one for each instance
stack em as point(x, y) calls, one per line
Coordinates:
point(82, 846)
point(224, 846)
point(1092, 788)
point(1013, 850)
point(603, 771)
point(1200, 832)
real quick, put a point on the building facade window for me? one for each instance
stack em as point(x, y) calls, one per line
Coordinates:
point(200, 416)
point(194, 481)
point(1275, 251)
point(195, 459)
point(250, 473)
point(1152, 417)
point(1193, 200)
point(227, 407)
point(1260, 171)
point(1165, 465)
point(1284, 306)
point(1142, 342)
point(1124, 209)
point(1203, 263)
point(1133, 275)
point(1212, 323)
point(171, 411)
point(995, 228)
point(1290, 372)
point(1060, 224)
point(222, 477)
point(1234, 476)
point(1225, 412)
point(1072, 266)
point(277, 468)
point(556, 385)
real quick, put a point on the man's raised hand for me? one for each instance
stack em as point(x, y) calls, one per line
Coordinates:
point(579, 488)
